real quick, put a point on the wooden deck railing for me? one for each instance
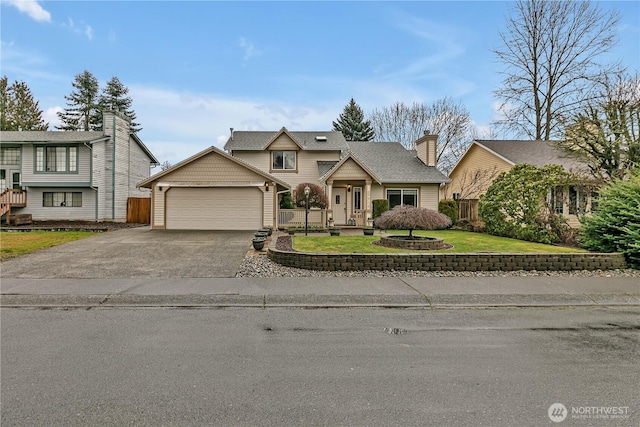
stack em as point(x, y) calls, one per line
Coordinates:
point(10, 197)
point(296, 217)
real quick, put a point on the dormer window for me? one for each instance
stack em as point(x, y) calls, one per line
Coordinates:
point(283, 160)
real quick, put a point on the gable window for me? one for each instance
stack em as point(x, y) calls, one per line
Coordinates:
point(59, 199)
point(283, 160)
point(402, 197)
point(57, 159)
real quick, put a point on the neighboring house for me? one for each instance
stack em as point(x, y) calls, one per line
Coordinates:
point(485, 160)
point(242, 187)
point(55, 175)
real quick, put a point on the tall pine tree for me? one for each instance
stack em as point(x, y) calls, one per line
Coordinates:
point(20, 111)
point(114, 97)
point(83, 111)
point(353, 125)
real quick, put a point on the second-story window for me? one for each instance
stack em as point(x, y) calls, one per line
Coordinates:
point(283, 160)
point(57, 159)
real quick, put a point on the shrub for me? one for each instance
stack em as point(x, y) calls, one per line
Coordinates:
point(380, 206)
point(615, 225)
point(516, 206)
point(286, 202)
point(449, 208)
point(413, 218)
point(317, 196)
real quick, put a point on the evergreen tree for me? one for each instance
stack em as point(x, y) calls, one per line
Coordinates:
point(83, 111)
point(20, 111)
point(114, 98)
point(4, 103)
point(353, 125)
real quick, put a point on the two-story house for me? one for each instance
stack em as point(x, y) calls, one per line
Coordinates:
point(240, 188)
point(55, 175)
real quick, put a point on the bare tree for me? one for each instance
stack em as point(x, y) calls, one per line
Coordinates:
point(605, 135)
point(406, 124)
point(472, 183)
point(550, 52)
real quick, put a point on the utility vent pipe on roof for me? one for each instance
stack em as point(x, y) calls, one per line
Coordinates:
point(321, 138)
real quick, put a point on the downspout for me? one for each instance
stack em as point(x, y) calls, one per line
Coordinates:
point(113, 171)
point(90, 147)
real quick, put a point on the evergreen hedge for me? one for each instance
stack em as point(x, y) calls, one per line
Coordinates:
point(615, 224)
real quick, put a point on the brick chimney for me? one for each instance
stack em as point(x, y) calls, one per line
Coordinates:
point(426, 148)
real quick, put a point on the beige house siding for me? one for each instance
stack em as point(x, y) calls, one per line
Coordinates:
point(350, 170)
point(268, 211)
point(307, 164)
point(283, 142)
point(476, 160)
point(157, 208)
point(429, 196)
point(213, 168)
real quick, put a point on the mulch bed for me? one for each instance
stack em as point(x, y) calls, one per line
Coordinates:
point(71, 225)
point(284, 243)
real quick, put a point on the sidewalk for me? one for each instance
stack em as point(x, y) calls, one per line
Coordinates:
point(400, 292)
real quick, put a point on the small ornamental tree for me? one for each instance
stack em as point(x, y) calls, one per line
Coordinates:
point(317, 196)
point(412, 218)
point(516, 204)
point(615, 225)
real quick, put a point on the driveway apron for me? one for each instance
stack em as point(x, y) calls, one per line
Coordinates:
point(135, 253)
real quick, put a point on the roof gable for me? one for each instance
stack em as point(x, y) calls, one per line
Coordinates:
point(307, 140)
point(200, 167)
point(536, 152)
point(347, 168)
point(277, 140)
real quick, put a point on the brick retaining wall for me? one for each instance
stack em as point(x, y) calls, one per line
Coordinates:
point(449, 262)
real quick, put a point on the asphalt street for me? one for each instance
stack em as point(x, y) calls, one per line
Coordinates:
point(255, 367)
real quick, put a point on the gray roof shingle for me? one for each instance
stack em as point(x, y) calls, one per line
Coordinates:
point(392, 163)
point(256, 140)
point(49, 136)
point(537, 153)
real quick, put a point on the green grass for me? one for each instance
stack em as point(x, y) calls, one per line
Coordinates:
point(462, 241)
point(13, 244)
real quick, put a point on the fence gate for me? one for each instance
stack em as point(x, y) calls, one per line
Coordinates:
point(139, 210)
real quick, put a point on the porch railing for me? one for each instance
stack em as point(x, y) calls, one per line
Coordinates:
point(296, 217)
point(11, 197)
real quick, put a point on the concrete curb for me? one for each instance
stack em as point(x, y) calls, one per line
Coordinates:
point(315, 301)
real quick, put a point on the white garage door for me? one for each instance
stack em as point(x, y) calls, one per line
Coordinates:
point(213, 208)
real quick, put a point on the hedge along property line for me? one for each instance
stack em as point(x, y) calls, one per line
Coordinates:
point(449, 262)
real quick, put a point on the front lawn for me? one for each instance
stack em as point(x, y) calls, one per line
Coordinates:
point(462, 241)
point(13, 244)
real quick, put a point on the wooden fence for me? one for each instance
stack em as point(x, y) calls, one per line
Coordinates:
point(139, 210)
point(468, 210)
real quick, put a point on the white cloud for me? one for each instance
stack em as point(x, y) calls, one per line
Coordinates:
point(50, 115)
point(177, 125)
point(249, 49)
point(81, 28)
point(31, 8)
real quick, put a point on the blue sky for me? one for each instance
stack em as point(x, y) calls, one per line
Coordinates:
point(195, 69)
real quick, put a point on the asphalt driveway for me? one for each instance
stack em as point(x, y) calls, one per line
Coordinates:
point(137, 252)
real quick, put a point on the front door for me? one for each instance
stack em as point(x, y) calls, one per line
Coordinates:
point(15, 180)
point(339, 206)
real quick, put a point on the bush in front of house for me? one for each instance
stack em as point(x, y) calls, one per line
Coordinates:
point(449, 208)
point(412, 218)
point(317, 196)
point(380, 206)
point(516, 205)
point(615, 225)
